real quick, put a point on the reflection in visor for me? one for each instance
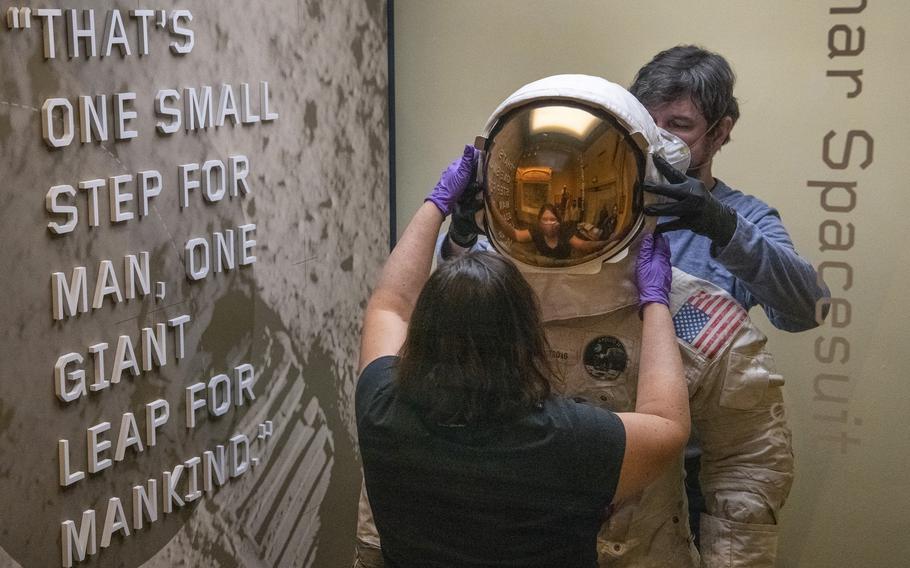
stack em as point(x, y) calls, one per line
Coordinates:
point(561, 186)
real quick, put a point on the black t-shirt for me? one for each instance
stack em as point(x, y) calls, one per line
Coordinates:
point(531, 493)
point(563, 248)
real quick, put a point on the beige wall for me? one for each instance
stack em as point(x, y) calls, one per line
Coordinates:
point(455, 61)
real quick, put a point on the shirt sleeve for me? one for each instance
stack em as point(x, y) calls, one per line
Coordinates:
point(375, 379)
point(762, 257)
point(601, 443)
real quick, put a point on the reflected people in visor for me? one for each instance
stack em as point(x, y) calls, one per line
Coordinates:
point(561, 185)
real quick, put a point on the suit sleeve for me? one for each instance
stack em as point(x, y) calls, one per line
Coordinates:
point(747, 460)
point(762, 257)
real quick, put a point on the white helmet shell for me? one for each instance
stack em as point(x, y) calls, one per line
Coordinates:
point(615, 100)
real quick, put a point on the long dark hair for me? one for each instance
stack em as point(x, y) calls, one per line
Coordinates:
point(475, 351)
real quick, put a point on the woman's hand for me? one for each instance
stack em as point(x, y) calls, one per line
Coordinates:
point(453, 181)
point(653, 273)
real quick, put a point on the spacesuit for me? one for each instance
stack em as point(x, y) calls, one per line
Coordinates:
point(593, 137)
point(737, 409)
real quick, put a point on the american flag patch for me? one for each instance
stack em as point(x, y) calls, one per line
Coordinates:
point(707, 322)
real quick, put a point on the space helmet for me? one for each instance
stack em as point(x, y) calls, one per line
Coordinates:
point(562, 164)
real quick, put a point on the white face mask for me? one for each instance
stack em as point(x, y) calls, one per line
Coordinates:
point(674, 150)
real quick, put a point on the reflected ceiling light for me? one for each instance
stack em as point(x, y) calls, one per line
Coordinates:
point(566, 120)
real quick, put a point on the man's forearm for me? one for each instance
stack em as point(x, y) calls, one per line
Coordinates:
point(762, 257)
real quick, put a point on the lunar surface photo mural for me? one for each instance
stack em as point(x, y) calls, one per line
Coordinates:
point(195, 202)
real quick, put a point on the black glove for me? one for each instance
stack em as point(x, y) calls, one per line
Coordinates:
point(463, 228)
point(698, 210)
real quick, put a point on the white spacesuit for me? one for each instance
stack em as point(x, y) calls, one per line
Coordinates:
point(591, 139)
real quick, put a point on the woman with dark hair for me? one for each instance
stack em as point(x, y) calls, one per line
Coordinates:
point(444, 366)
point(551, 237)
point(468, 458)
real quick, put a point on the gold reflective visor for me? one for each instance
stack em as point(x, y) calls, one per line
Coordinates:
point(561, 185)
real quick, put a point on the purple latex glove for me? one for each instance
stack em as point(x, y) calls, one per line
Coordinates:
point(453, 181)
point(652, 271)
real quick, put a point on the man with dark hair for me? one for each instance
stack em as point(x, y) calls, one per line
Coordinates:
point(732, 239)
point(729, 238)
